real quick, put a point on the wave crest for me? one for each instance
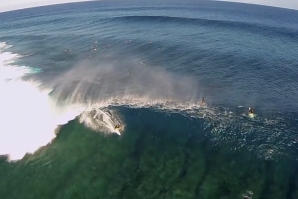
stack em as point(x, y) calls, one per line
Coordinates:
point(238, 25)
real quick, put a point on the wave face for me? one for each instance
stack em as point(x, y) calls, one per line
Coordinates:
point(99, 57)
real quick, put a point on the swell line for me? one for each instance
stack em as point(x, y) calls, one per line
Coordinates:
point(234, 25)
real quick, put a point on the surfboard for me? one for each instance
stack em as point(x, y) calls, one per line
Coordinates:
point(105, 118)
point(251, 115)
point(117, 131)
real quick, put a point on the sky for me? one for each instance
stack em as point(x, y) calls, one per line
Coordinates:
point(7, 5)
point(292, 4)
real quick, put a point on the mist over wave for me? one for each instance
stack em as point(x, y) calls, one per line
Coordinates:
point(90, 82)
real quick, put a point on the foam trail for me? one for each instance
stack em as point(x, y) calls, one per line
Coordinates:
point(101, 120)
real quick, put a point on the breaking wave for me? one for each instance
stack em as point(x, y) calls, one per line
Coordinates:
point(28, 116)
point(32, 110)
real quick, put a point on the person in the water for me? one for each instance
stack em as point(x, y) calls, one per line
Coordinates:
point(203, 101)
point(250, 110)
point(117, 126)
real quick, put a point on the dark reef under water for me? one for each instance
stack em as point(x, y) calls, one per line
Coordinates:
point(159, 155)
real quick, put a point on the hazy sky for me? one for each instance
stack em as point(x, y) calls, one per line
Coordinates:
point(292, 4)
point(6, 5)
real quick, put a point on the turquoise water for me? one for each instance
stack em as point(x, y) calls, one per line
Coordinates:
point(146, 67)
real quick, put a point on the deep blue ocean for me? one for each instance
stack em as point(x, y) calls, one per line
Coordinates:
point(149, 65)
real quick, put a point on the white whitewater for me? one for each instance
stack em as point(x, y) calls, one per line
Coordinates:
point(28, 116)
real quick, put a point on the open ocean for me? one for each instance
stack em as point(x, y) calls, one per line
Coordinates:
point(69, 73)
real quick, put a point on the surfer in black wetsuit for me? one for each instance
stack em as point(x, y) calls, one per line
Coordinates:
point(117, 126)
point(250, 110)
point(248, 195)
point(203, 100)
